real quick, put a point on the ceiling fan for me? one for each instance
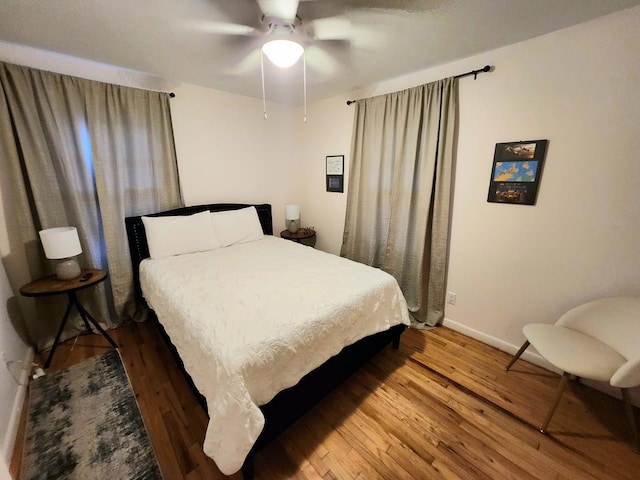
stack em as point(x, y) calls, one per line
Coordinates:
point(319, 28)
point(328, 35)
point(276, 30)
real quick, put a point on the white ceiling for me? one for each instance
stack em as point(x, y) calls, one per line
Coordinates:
point(180, 40)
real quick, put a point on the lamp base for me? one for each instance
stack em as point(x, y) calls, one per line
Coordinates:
point(293, 225)
point(67, 269)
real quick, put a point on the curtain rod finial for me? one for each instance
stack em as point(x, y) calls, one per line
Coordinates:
point(484, 69)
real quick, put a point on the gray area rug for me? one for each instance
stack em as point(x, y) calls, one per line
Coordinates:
point(84, 423)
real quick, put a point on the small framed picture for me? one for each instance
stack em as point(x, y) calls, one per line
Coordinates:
point(335, 165)
point(516, 172)
point(335, 183)
point(335, 173)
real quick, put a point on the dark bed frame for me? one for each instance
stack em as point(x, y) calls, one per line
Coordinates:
point(290, 404)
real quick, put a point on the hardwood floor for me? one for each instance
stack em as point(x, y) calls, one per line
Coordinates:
point(442, 407)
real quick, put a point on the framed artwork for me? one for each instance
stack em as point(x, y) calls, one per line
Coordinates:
point(516, 172)
point(335, 183)
point(335, 173)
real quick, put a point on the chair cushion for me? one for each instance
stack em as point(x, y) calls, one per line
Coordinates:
point(615, 321)
point(574, 352)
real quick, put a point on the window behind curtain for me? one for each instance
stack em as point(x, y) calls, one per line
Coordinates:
point(86, 154)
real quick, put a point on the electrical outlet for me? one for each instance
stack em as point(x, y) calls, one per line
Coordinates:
point(451, 298)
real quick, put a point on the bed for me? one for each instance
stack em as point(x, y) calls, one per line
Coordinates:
point(277, 323)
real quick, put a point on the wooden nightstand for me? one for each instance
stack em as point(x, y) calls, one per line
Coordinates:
point(52, 285)
point(305, 236)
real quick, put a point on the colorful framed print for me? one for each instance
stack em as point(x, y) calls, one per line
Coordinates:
point(516, 172)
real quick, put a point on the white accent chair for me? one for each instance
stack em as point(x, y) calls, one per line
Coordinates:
point(599, 340)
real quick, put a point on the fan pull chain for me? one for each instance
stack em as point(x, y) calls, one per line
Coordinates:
point(304, 80)
point(264, 98)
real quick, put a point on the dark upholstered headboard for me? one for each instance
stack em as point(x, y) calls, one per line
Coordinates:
point(138, 238)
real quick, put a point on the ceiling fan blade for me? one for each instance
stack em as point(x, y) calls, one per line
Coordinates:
point(331, 28)
point(368, 36)
point(321, 9)
point(250, 63)
point(358, 34)
point(281, 9)
point(320, 62)
point(222, 28)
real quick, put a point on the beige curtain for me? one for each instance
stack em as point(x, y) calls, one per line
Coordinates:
point(398, 200)
point(85, 154)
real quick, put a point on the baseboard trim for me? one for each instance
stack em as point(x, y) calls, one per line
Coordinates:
point(530, 355)
point(8, 443)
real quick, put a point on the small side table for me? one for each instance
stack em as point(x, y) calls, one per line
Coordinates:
point(52, 285)
point(306, 236)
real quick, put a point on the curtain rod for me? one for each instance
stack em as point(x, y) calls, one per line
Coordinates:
point(475, 73)
point(486, 68)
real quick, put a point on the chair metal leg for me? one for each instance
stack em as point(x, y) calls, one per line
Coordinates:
point(556, 401)
point(633, 430)
point(517, 355)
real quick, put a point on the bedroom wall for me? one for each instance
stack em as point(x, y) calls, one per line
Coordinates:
point(228, 152)
point(512, 265)
point(14, 354)
point(327, 132)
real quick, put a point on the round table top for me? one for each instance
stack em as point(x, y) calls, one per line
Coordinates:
point(52, 285)
point(302, 233)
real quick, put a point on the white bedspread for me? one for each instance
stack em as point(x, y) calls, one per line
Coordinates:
point(252, 319)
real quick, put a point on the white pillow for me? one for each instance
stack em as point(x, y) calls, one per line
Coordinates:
point(176, 235)
point(237, 226)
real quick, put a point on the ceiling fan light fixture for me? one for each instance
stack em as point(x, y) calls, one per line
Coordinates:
point(283, 53)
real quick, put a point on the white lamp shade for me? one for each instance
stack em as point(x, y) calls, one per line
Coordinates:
point(291, 212)
point(60, 242)
point(283, 53)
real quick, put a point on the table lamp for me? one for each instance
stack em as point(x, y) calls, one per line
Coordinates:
point(62, 243)
point(292, 217)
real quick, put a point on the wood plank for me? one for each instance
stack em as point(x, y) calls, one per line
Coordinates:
point(440, 407)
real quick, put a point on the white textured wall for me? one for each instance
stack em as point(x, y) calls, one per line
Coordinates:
point(4, 471)
point(12, 382)
point(12, 347)
point(228, 152)
point(511, 265)
point(327, 132)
